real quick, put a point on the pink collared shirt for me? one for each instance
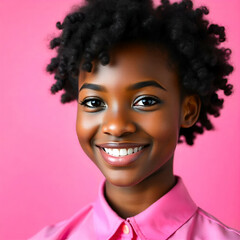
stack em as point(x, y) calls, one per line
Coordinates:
point(174, 216)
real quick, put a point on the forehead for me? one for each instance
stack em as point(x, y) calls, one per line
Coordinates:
point(131, 62)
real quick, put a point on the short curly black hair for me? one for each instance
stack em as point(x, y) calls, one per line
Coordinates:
point(91, 30)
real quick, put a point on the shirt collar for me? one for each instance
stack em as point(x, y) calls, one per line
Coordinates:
point(158, 221)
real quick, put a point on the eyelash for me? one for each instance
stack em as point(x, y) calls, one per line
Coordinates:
point(84, 102)
point(156, 101)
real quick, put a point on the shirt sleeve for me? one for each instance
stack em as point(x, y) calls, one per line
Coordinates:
point(204, 226)
point(63, 229)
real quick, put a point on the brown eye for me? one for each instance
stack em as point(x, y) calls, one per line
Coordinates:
point(93, 103)
point(146, 102)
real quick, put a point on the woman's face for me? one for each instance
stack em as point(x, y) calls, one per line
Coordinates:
point(129, 120)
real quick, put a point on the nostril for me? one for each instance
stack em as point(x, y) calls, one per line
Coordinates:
point(107, 133)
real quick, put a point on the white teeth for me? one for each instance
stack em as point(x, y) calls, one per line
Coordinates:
point(116, 152)
point(130, 151)
point(123, 152)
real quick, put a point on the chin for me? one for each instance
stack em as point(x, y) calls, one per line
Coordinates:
point(119, 180)
point(123, 179)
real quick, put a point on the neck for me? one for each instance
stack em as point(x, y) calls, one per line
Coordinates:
point(131, 200)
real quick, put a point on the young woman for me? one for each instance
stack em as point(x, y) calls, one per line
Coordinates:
point(144, 79)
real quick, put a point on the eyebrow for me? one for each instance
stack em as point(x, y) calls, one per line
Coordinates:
point(132, 87)
point(145, 84)
point(93, 87)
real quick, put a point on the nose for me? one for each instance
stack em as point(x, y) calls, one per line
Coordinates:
point(118, 124)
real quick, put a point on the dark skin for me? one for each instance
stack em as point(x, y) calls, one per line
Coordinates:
point(120, 111)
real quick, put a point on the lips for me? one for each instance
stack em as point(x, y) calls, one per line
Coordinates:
point(121, 154)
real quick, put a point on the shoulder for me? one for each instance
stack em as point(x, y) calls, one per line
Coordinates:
point(203, 225)
point(211, 222)
point(61, 229)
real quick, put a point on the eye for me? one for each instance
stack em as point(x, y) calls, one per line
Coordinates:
point(146, 101)
point(92, 103)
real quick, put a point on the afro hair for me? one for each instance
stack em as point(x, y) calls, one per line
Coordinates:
point(91, 30)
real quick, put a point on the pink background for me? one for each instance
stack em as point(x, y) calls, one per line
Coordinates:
point(44, 175)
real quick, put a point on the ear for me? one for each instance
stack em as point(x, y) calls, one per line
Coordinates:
point(190, 110)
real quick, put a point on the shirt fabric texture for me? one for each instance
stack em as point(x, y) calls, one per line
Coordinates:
point(174, 216)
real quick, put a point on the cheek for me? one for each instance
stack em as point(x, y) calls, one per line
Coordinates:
point(162, 127)
point(86, 128)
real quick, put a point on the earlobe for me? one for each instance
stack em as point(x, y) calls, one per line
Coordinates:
point(190, 110)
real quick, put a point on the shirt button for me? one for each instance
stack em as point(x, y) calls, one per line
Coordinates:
point(125, 229)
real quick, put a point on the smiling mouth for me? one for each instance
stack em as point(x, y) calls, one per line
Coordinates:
point(120, 157)
point(120, 152)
